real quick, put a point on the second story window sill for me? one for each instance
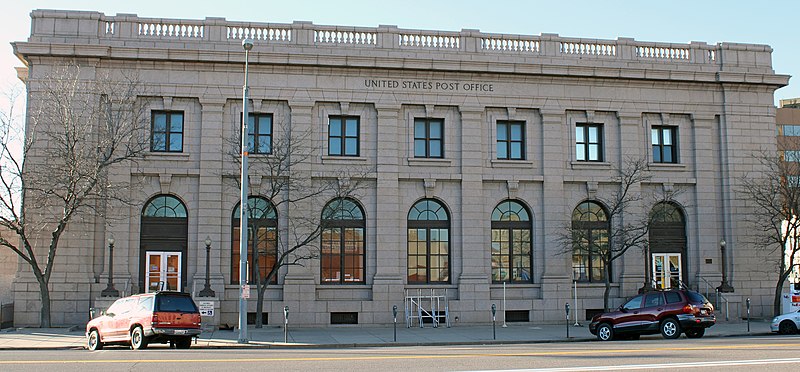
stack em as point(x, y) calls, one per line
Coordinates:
point(590, 164)
point(504, 163)
point(167, 155)
point(430, 162)
point(331, 159)
point(667, 166)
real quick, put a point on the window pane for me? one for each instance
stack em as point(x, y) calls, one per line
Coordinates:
point(594, 152)
point(502, 135)
point(654, 136)
point(159, 142)
point(436, 149)
point(159, 123)
point(656, 154)
point(176, 122)
point(593, 137)
point(419, 148)
point(351, 146)
point(516, 150)
point(516, 132)
point(264, 145)
point(352, 128)
point(250, 141)
point(335, 127)
point(436, 129)
point(265, 125)
point(668, 154)
point(667, 136)
point(419, 129)
point(579, 134)
point(580, 151)
point(334, 146)
point(175, 142)
point(501, 150)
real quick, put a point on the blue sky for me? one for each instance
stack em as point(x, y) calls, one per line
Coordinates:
point(762, 22)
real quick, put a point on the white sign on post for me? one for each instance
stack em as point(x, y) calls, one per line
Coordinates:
point(246, 291)
point(206, 308)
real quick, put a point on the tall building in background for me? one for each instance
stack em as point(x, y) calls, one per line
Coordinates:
point(476, 152)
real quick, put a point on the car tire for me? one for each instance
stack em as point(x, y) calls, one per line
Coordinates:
point(93, 341)
point(183, 343)
point(605, 332)
point(787, 327)
point(670, 328)
point(138, 341)
point(695, 332)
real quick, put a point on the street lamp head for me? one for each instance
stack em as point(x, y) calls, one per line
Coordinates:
point(208, 241)
point(247, 44)
point(722, 242)
point(111, 240)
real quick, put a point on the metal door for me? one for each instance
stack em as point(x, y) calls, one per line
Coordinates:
point(163, 271)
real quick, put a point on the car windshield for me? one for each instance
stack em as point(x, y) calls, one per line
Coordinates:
point(696, 297)
point(183, 304)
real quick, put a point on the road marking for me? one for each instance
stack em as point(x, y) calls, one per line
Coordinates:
point(406, 357)
point(719, 363)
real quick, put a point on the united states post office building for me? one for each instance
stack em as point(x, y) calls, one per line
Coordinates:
point(479, 149)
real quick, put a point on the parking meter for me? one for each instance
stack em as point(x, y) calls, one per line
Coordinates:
point(566, 310)
point(286, 314)
point(285, 324)
point(494, 312)
point(748, 314)
point(394, 314)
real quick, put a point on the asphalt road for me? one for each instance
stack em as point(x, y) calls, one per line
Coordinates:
point(774, 353)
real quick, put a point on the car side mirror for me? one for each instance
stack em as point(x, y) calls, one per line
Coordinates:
point(108, 314)
point(623, 308)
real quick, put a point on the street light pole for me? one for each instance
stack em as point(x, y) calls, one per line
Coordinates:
point(724, 287)
point(247, 44)
point(110, 291)
point(207, 291)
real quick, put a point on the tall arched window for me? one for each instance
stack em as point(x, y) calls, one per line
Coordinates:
point(590, 230)
point(667, 246)
point(163, 242)
point(428, 243)
point(342, 245)
point(262, 240)
point(511, 243)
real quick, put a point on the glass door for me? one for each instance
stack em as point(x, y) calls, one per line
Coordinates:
point(666, 270)
point(163, 271)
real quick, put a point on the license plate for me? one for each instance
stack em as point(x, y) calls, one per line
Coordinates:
point(703, 312)
point(180, 331)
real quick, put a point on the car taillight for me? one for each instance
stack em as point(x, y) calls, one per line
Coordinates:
point(688, 309)
point(155, 319)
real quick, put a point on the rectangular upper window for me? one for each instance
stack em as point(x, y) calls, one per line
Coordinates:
point(665, 144)
point(259, 133)
point(343, 135)
point(791, 155)
point(511, 140)
point(428, 138)
point(589, 142)
point(790, 130)
point(167, 131)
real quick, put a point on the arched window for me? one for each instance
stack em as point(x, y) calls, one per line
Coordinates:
point(511, 243)
point(590, 230)
point(428, 243)
point(262, 240)
point(163, 242)
point(342, 245)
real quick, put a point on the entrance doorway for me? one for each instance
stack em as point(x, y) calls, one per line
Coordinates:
point(667, 271)
point(163, 271)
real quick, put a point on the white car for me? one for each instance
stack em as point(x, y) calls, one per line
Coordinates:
point(786, 324)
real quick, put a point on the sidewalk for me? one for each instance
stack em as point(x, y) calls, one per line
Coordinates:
point(354, 336)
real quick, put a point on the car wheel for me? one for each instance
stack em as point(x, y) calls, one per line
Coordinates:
point(183, 343)
point(605, 332)
point(695, 332)
point(787, 327)
point(138, 340)
point(93, 342)
point(670, 328)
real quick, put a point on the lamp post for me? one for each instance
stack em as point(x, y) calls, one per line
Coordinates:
point(724, 287)
point(207, 291)
point(110, 291)
point(247, 44)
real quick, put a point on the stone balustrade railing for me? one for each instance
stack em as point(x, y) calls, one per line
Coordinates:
point(49, 24)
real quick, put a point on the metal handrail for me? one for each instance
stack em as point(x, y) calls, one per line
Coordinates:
point(718, 296)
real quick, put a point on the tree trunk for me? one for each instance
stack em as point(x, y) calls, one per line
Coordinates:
point(260, 302)
point(44, 293)
point(776, 301)
point(607, 292)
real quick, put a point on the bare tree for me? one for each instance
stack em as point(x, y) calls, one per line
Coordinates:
point(626, 221)
point(286, 184)
point(79, 125)
point(775, 195)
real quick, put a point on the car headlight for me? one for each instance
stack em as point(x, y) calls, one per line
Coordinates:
point(774, 320)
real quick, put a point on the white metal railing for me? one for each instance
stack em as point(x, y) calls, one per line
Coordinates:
point(421, 304)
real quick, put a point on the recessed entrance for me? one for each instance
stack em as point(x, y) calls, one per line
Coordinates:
point(667, 271)
point(163, 271)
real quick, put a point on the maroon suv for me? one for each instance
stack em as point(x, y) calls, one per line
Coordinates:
point(668, 312)
point(146, 318)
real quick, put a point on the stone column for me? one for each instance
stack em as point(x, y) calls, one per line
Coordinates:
point(631, 266)
point(702, 220)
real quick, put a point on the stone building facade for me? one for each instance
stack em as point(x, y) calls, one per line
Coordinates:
point(479, 149)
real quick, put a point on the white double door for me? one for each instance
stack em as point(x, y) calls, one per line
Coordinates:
point(163, 271)
point(667, 270)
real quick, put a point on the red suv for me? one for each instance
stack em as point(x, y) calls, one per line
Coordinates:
point(146, 318)
point(668, 312)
